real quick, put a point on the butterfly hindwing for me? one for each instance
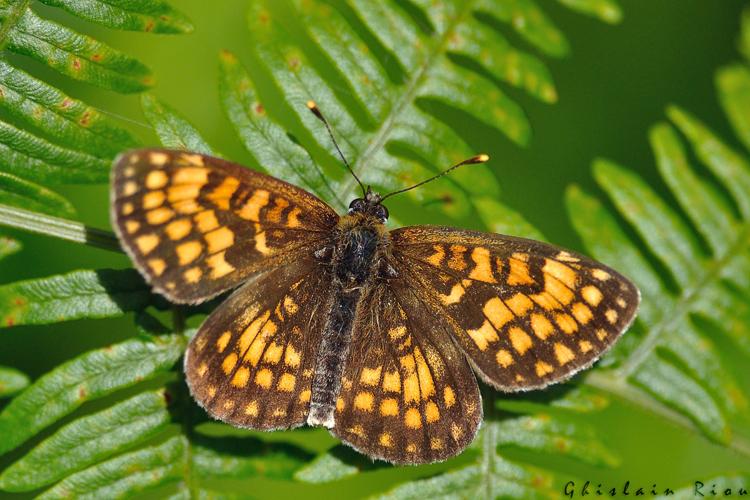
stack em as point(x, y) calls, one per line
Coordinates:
point(196, 225)
point(526, 313)
point(251, 363)
point(408, 393)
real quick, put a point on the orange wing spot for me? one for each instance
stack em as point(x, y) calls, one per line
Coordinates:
point(219, 239)
point(146, 243)
point(153, 199)
point(292, 219)
point(520, 340)
point(193, 275)
point(357, 430)
point(290, 306)
point(385, 440)
point(264, 378)
point(457, 291)
point(192, 159)
point(159, 216)
point(188, 252)
point(557, 289)
point(560, 271)
point(370, 376)
point(129, 172)
point(158, 159)
point(206, 221)
point(611, 316)
point(563, 354)
point(260, 241)
point(340, 405)
point(411, 387)
point(585, 346)
point(304, 396)
point(129, 188)
point(457, 262)
point(274, 214)
point(543, 368)
point(436, 444)
point(273, 353)
point(364, 401)
point(183, 192)
point(251, 209)
point(389, 407)
point(279, 412)
point(411, 448)
point(211, 390)
point(496, 311)
point(251, 332)
point(519, 271)
point(519, 378)
point(601, 334)
point(127, 209)
point(449, 397)
point(431, 412)
point(592, 295)
point(566, 257)
point(582, 313)
point(190, 175)
point(178, 229)
point(600, 274)
point(436, 259)
point(229, 363)
point(256, 349)
point(541, 326)
point(426, 383)
point(131, 226)
point(187, 207)
point(392, 382)
point(221, 195)
point(566, 323)
point(621, 302)
point(483, 335)
point(291, 357)
point(286, 382)
point(519, 304)
point(157, 266)
point(504, 358)
point(483, 269)
point(223, 341)
point(456, 432)
point(219, 266)
point(397, 332)
point(251, 409)
point(546, 301)
point(413, 419)
point(202, 369)
point(156, 179)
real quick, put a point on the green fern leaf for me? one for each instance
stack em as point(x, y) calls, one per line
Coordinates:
point(173, 130)
point(16, 192)
point(12, 381)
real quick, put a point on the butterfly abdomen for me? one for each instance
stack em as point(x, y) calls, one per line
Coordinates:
point(357, 248)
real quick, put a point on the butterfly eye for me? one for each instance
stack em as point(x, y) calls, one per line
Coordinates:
point(382, 213)
point(357, 205)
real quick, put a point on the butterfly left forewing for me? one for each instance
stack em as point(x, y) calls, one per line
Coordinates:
point(195, 225)
point(526, 313)
point(408, 395)
point(251, 363)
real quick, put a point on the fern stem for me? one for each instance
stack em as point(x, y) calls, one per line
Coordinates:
point(56, 227)
point(684, 305)
point(612, 384)
point(380, 138)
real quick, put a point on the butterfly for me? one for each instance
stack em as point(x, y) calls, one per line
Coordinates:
point(338, 322)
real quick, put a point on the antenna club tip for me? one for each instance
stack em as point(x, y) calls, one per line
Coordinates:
point(482, 158)
point(312, 105)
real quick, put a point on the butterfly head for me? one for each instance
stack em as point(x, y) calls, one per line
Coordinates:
point(369, 205)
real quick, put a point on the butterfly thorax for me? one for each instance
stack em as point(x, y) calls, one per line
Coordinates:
point(358, 252)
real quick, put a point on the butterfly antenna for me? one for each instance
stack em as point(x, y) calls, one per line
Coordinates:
point(316, 111)
point(482, 158)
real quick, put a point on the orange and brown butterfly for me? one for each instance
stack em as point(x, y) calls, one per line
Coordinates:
point(337, 321)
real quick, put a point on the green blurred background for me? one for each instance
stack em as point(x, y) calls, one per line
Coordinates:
point(614, 85)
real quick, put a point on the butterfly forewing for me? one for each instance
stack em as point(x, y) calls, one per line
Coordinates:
point(196, 225)
point(408, 393)
point(251, 363)
point(526, 313)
